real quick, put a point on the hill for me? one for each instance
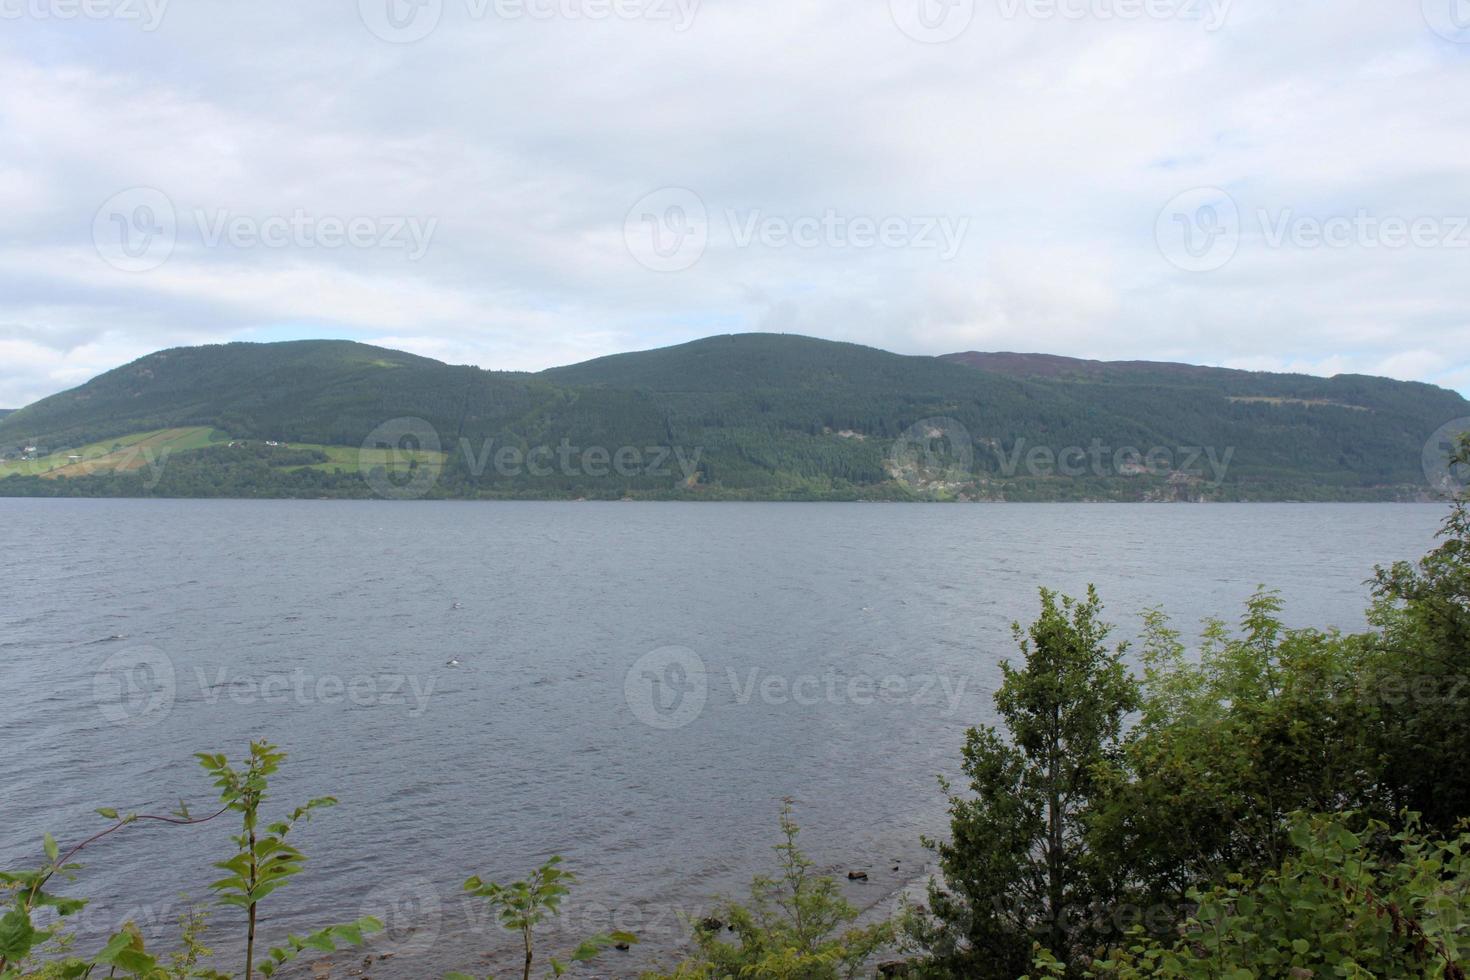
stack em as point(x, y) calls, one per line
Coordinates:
point(749, 416)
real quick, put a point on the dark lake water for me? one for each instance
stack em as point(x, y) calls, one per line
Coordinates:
point(637, 685)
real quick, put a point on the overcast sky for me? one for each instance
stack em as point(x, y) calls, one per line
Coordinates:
point(1268, 184)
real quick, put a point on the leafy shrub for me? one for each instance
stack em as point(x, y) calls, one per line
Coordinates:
point(1335, 907)
point(263, 861)
point(789, 931)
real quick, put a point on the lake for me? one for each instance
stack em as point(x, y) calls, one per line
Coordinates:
point(633, 686)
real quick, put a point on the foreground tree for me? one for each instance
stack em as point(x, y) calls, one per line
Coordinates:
point(1337, 906)
point(1018, 868)
point(1230, 741)
point(1422, 682)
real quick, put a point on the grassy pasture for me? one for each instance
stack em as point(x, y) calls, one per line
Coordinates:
point(122, 454)
point(144, 449)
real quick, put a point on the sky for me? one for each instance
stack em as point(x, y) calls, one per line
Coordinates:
point(519, 184)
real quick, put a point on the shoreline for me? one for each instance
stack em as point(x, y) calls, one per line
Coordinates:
point(1298, 502)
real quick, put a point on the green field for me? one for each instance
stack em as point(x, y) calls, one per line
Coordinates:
point(152, 449)
point(121, 455)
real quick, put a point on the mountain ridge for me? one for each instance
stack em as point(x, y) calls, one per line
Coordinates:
point(774, 416)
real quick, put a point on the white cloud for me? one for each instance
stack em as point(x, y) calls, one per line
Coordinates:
point(527, 141)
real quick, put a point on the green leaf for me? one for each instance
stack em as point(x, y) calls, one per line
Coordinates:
point(17, 935)
point(350, 934)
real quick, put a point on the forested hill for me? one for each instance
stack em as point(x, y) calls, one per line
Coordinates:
point(750, 416)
